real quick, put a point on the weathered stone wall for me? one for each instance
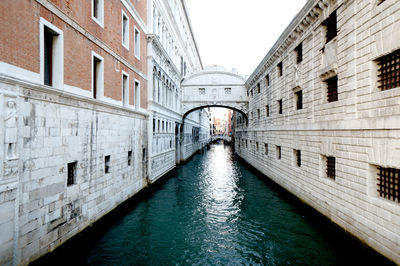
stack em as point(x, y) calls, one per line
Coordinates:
point(361, 130)
point(39, 211)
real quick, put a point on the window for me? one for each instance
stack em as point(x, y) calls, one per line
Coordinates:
point(129, 158)
point(202, 91)
point(107, 164)
point(299, 53)
point(267, 110)
point(71, 173)
point(154, 126)
point(389, 71)
point(251, 93)
point(97, 76)
point(266, 148)
point(51, 55)
point(280, 106)
point(251, 115)
point(389, 183)
point(125, 30)
point(258, 88)
point(380, 2)
point(257, 146)
point(137, 43)
point(280, 69)
point(332, 89)
point(297, 156)
point(330, 167)
point(331, 27)
point(278, 152)
point(267, 80)
point(98, 11)
point(137, 94)
point(125, 89)
point(299, 99)
point(246, 143)
point(258, 114)
point(228, 90)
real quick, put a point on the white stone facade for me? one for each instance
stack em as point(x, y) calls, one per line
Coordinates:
point(172, 55)
point(40, 206)
point(360, 130)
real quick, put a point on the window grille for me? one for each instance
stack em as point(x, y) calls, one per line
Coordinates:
point(331, 27)
point(332, 88)
point(228, 90)
point(299, 53)
point(258, 88)
point(388, 183)
point(389, 71)
point(299, 100)
point(330, 167)
point(267, 80)
point(202, 91)
point(71, 173)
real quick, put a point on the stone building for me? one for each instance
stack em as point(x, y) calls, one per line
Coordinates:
point(172, 56)
point(73, 117)
point(324, 116)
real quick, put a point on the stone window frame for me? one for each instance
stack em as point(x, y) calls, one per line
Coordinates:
point(299, 53)
point(278, 150)
point(136, 94)
point(100, 76)
point(136, 36)
point(72, 173)
point(125, 89)
point(58, 54)
point(298, 105)
point(125, 30)
point(331, 27)
point(100, 19)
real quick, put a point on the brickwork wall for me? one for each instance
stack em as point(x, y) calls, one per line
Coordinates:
point(361, 130)
point(20, 45)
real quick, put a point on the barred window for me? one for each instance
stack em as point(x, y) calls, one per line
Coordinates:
point(331, 27)
point(388, 183)
point(267, 80)
point(71, 173)
point(228, 90)
point(267, 110)
point(266, 148)
point(332, 89)
point(257, 146)
point(107, 164)
point(202, 91)
point(258, 114)
point(330, 167)
point(389, 71)
point(258, 88)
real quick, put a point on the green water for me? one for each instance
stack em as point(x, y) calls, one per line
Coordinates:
point(216, 211)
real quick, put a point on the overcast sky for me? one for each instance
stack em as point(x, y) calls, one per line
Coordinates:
point(236, 33)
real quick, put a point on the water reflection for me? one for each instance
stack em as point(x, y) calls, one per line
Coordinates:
point(215, 211)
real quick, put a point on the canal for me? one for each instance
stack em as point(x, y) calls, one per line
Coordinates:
point(215, 210)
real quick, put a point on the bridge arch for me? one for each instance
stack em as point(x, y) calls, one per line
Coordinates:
point(214, 87)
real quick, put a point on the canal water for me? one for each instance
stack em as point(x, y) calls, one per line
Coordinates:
point(215, 210)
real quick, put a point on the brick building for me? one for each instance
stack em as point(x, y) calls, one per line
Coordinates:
point(73, 109)
point(325, 115)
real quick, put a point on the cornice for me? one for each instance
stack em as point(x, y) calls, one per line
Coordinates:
point(301, 22)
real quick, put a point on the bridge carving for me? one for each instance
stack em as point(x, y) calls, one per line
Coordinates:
point(214, 87)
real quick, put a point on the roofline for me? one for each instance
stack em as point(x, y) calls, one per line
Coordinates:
point(191, 32)
point(286, 33)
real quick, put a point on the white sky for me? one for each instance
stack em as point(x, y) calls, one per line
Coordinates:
point(236, 33)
